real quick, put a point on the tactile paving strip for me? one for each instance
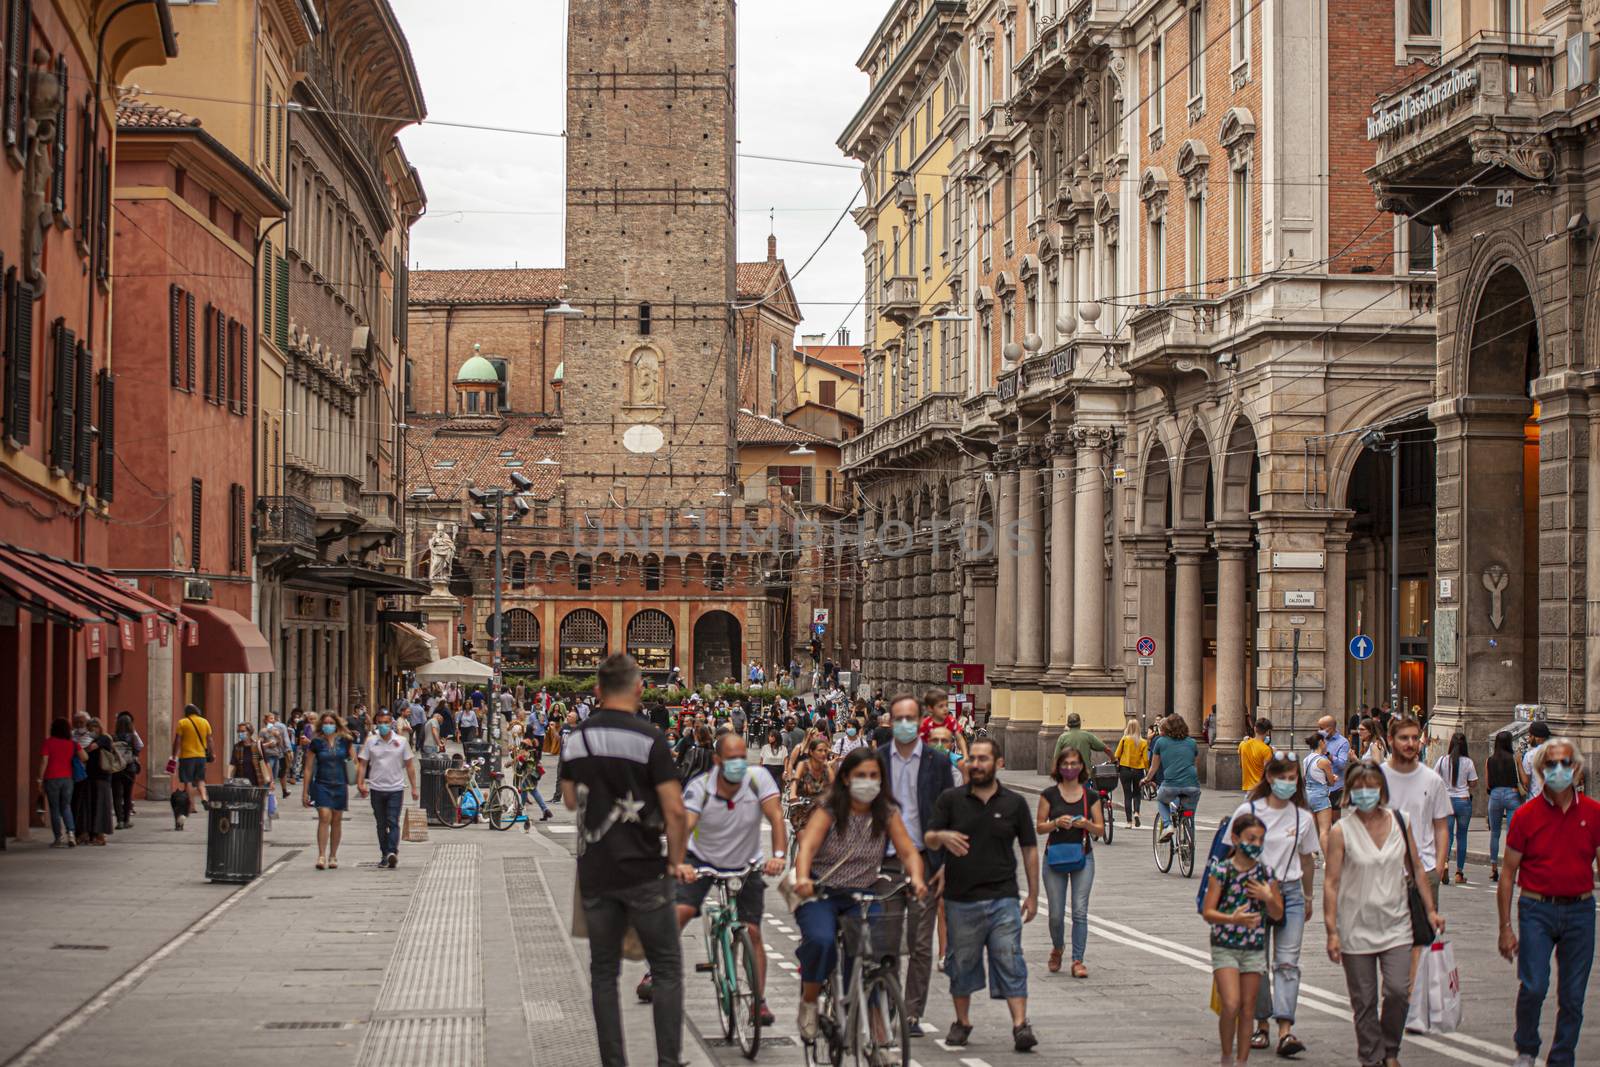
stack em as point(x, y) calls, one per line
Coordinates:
point(560, 1022)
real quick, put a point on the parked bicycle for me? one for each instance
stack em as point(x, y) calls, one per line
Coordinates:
point(865, 1017)
point(732, 957)
point(475, 791)
point(1105, 777)
point(1179, 844)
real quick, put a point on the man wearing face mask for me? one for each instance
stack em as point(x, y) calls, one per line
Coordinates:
point(726, 806)
point(917, 775)
point(1338, 755)
point(385, 763)
point(848, 739)
point(1551, 852)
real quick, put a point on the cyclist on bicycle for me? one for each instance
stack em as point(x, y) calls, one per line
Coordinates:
point(1172, 760)
point(726, 806)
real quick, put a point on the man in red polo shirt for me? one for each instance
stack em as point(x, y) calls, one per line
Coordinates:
point(1551, 852)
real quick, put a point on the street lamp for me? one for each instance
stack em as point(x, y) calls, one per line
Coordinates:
point(494, 501)
point(1376, 441)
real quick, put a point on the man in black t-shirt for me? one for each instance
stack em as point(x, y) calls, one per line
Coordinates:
point(618, 774)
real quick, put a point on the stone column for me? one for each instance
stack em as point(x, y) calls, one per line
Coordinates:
point(1062, 563)
point(1005, 650)
point(1337, 544)
point(1222, 758)
point(1027, 699)
point(1188, 618)
point(1089, 587)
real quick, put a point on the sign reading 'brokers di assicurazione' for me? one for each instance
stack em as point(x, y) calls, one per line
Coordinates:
point(1421, 101)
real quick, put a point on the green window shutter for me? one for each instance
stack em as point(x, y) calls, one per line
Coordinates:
point(280, 324)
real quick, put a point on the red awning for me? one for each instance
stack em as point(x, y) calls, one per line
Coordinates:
point(229, 644)
point(73, 591)
point(43, 598)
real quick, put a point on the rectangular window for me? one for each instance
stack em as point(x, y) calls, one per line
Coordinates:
point(911, 244)
point(235, 526)
point(1197, 50)
point(986, 231)
point(1194, 253)
point(1007, 227)
point(1419, 247)
point(1423, 21)
point(894, 233)
point(797, 480)
point(1010, 60)
point(196, 497)
point(772, 372)
point(827, 392)
point(1241, 31)
point(827, 490)
point(1157, 258)
point(1239, 200)
point(1158, 85)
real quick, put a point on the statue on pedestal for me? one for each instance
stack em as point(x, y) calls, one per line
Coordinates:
point(441, 552)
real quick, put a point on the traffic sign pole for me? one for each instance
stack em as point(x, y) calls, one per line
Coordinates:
point(1146, 648)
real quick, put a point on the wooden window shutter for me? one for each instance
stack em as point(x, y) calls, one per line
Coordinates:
point(175, 333)
point(188, 341)
point(86, 141)
point(19, 23)
point(283, 146)
point(63, 409)
point(241, 367)
point(208, 361)
point(267, 264)
point(266, 123)
point(106, 479)
point(102, 215)
point(19, 312)
point(221, 354)
point(58, 180)
point(83, 421)
point(280, 325)
point(196, 497)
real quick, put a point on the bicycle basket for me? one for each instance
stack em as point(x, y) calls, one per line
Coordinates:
point(1105, 776)
point(885, 925)
point(457, 776)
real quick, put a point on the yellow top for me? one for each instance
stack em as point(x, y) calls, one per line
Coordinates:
point(1253, 756)
point(1133, 752)
point(194, 733)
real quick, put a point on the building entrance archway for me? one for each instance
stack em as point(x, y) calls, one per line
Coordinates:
point(717, 647)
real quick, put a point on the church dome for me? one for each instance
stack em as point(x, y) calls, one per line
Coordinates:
point(477, 371)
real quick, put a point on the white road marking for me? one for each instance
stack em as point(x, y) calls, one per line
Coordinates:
point(792, 937)
point(974, 1062)
point(1315, 1003)
point(782, 929)
point(561, 828)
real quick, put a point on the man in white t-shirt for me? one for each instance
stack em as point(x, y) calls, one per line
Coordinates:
point(1291, 835)
point(1538, 737)
point(1419, 795)
point(726, 806)
point(385, 763)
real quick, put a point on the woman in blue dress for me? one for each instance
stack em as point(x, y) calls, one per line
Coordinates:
point(327, 785)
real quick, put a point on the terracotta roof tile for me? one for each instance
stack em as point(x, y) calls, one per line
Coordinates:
point(753, 429)
point(142, 115)
point(525, 285)
point(456, 454)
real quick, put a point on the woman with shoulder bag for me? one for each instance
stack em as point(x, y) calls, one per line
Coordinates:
point(247, 761)
point(1370, 903)
point(1508, 784)
point(130, 746)
point(1072, 816)
point(102, 763)
point(327, 785)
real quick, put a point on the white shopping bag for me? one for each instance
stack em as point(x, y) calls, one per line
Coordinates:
point(1436, 992)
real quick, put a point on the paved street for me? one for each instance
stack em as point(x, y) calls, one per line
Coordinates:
point(460, 957)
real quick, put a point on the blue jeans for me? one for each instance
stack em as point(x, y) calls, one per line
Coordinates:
point(1503, 800)
point(1056, 885)
point(386, 805)
point(532, 790)
point(1283, 948)
point(58, 795)
point(1460, 816)
point(979, 928)
point(1568, 931)
point(818, 920)
point(1189, 796)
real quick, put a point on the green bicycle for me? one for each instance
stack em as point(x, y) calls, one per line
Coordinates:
point(733, 959)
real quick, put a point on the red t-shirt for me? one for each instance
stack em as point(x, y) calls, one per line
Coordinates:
point(1557, 847)
point(60, 750)
point(930, 724)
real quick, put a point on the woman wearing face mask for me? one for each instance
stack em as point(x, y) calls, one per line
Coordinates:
point(1317, 771)
point(849, 739)
point(809, 781)
point(839, 852)
point(247, 760)
point(1240, 896)
point(327, 785)
point(1365, 910)
point(1071, 815)
point(1289, 841)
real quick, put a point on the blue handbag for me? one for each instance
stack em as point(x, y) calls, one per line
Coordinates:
point(1066, 858)
point(79, 771)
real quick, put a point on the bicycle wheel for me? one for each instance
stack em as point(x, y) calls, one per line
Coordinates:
point(1163, 849)
point(882, 1036)
point(452, 813)
point(717, 951)
point(502, 807)
point(828, 1048)
point(1111, 820)
point(746, 1004)
point(1185, 839)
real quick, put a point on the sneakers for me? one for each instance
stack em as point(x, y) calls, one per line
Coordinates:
point(1022, 1038)
point(958, 1034)
point(807, 1021)
point(177, 822)
point(764, 1013)
point(1461, 878)
point(1136, 822)
point(646, 988)
point(1166, 833)
point(392, 861)
point(547, 816)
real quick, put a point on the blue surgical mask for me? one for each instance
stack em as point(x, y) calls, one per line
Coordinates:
point(1365, 799)
point(383, 729)
point(905, 730)
point(1557, 778)
point(734, 769)
point(850, 731)
point(1283, 788)
point(329, 728)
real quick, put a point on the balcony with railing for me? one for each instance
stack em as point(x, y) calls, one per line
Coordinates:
point(1487, 104)
point(992, 139)
point(907, 431)
point(901, 303)
point(285, 525)
point(1062, 43)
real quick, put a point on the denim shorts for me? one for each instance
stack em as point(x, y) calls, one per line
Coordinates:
point(1317, 796)
point(749, 902)
point(191, 770)
point(1243, 960)
point(985, 926)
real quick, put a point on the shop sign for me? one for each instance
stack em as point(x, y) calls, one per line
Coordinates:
point(164, 632)
point(127, 634)
point(191, 634)
point(1419, 102)
point(96, 640)
point(149, 628)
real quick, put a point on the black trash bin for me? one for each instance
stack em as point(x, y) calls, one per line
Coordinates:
point(236, 817)
point(487, 751)
point(433, 794)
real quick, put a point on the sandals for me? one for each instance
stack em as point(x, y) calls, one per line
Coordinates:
point(333, 863)
point(1259, 1039)
point(1055, 960)
point(1289, 1045)
point(322, 862)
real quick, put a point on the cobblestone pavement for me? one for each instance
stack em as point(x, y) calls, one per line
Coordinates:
point(461, 957)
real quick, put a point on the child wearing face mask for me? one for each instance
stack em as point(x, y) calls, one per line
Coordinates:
point(1240, 894)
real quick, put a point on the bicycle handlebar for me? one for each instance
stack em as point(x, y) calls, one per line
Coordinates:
point(867, 897)
point(723, 876)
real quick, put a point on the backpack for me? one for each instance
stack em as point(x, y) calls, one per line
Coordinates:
point(111, 759)
point(125, 752)
point(1220, 847)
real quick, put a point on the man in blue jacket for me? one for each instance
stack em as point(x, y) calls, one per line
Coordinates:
point(917, 775)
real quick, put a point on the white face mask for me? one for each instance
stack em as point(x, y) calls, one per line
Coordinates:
point(865, 790)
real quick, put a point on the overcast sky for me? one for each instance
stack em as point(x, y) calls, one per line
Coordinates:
point(494, 197)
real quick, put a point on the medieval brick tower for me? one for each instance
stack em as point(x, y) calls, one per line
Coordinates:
point(650, 252)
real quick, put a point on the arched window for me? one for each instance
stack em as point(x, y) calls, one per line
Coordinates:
point(517, 570)
point(650, 640)
point(583, 642)
point(522, 637)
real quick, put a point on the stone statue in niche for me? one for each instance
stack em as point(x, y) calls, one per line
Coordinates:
point(44, 112)
point(1495, 580)
point(441, 551)
point(645, 391)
